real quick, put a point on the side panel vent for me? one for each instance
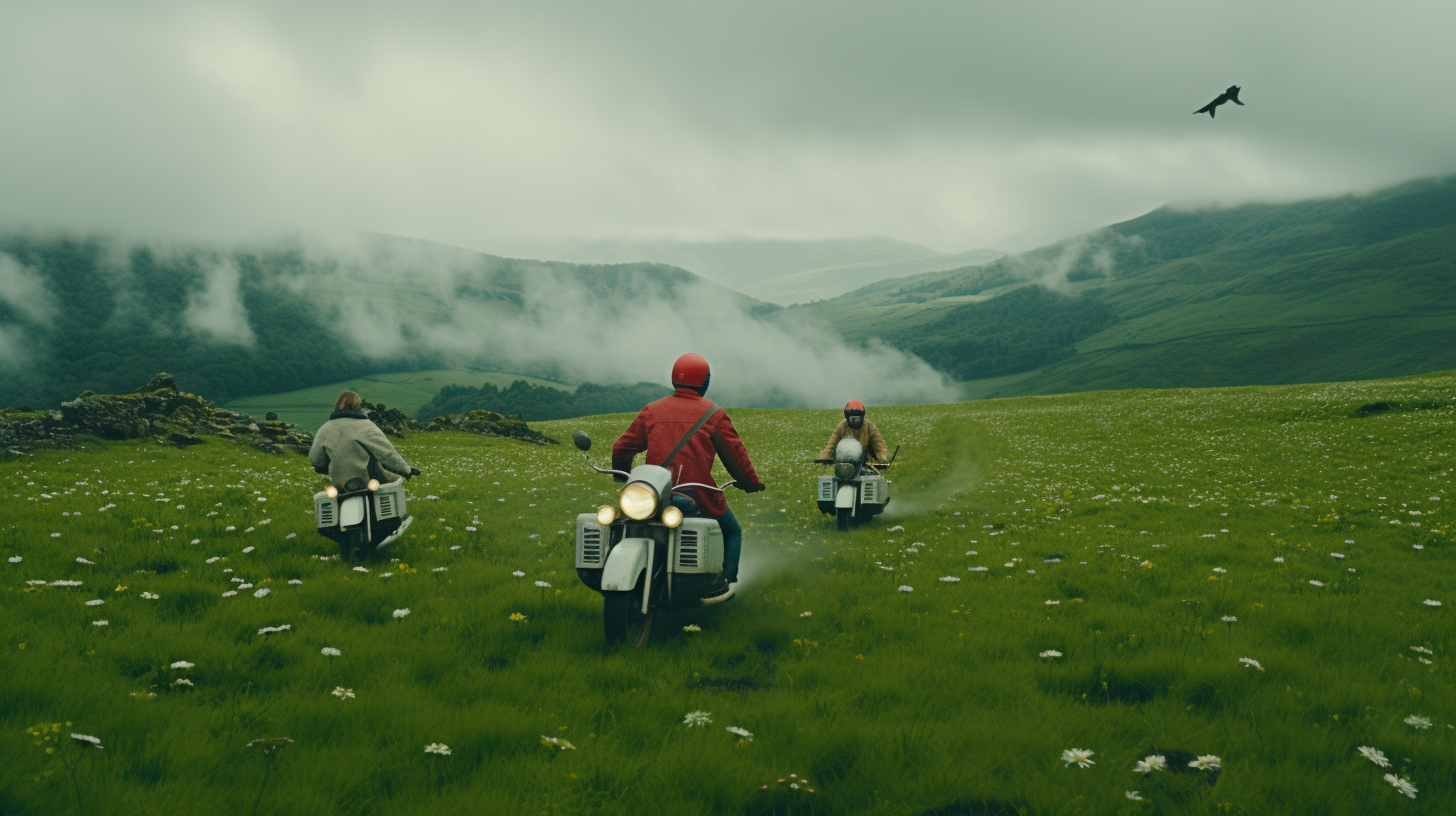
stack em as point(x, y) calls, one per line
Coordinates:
point(326, 512)
point(688, 555)
point(588, 541)
point(826, 488)
point(384, 506)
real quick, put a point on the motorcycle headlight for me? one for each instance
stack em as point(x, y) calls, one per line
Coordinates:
point(845, 470)
point(606, 514)
point(373, 484)
point(671, 516)
point(331, 491)
point(638, 501)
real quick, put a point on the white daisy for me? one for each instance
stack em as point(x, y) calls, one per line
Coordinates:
point(1081, 756)
point(1374, 755)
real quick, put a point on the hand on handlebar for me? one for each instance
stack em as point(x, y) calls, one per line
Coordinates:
point(823, 461)
point(749, 487)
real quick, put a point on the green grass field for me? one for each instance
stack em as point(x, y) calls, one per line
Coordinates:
point(309, 407)
point(1252, 574)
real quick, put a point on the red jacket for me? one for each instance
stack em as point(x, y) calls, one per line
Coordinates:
point(662, 424)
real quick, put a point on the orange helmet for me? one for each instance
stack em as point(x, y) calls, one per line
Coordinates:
point(854, 407)
point(690, 371)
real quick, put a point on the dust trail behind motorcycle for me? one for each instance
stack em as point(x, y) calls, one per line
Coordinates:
point(961, 476)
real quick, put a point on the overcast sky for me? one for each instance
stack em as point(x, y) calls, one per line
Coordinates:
point(499, 127)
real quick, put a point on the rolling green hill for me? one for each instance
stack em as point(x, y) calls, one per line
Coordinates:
point(1358, 286)
point(407, 391)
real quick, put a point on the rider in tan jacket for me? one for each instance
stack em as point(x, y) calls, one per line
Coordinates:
point(854, 424)
point(345, 444)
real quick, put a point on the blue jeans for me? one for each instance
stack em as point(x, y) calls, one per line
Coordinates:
point(732, 532)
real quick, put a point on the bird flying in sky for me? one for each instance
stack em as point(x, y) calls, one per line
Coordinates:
point(1231, 95)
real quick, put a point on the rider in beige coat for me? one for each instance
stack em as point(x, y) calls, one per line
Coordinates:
point(854, 424)
point(343, 447)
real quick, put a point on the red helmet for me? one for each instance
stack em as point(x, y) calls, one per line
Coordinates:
point(690, 371)
point(854, 407)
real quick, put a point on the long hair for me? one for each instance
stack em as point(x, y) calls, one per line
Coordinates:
point(348, 401)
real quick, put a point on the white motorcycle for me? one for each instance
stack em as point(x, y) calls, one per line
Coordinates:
point(365, 518)
point(645, 553)
point(857, 492)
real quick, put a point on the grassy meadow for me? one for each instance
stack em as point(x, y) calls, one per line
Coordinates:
point(1252, 574)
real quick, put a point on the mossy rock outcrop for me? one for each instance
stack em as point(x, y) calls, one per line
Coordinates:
point(392, 421)
point(489, 423)
point(157, 409)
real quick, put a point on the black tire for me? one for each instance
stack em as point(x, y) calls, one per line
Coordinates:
point(345, 549)
point(622, 614)
point(844, 516)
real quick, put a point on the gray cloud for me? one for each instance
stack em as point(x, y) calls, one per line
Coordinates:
point(949, 124)
point(24, 295)
point(24, 292)
point(216, 310)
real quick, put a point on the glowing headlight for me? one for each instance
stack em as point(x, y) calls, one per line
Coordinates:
point(671, 516)
point(638, 501)
point(845, 470)
point(373, 484)
point(331, 491)
point(606, 514)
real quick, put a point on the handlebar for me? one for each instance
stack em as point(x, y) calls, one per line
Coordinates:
point(603, 470)
point(676, 488)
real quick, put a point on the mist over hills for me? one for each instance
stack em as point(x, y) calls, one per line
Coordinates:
point(778, 271)
point(1328, 289)
point(103, 313)
point(1325, 289)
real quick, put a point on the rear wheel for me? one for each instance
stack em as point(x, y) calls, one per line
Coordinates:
point(622, 614)
point(845, 515)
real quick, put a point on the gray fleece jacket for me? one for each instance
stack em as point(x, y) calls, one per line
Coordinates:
point(342, 447)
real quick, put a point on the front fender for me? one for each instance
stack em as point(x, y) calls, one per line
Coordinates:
point(845, 496)
point(625, 562)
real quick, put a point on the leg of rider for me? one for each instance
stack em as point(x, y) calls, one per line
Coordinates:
point(732, 544)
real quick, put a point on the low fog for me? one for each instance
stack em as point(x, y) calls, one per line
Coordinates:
point(404, 303)
point(573, 331)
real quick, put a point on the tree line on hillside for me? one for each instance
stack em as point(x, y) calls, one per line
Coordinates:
point(1021, 330)
point(536, 403)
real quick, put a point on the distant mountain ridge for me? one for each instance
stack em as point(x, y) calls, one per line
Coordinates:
point(778, 271)
point(1341, 288)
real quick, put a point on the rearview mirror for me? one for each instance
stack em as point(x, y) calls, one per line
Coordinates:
point(583, 442)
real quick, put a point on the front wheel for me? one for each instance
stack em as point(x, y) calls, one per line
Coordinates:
point(622, 614)
point(845, 515)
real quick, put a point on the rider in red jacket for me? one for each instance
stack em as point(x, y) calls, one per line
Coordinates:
point(659, 428)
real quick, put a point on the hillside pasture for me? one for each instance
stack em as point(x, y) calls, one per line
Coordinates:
point(1257, 578)
point(406, 390)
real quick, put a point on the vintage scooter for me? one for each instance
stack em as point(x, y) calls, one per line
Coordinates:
point(857, 491)
point(646, 553)
point(365, 518)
